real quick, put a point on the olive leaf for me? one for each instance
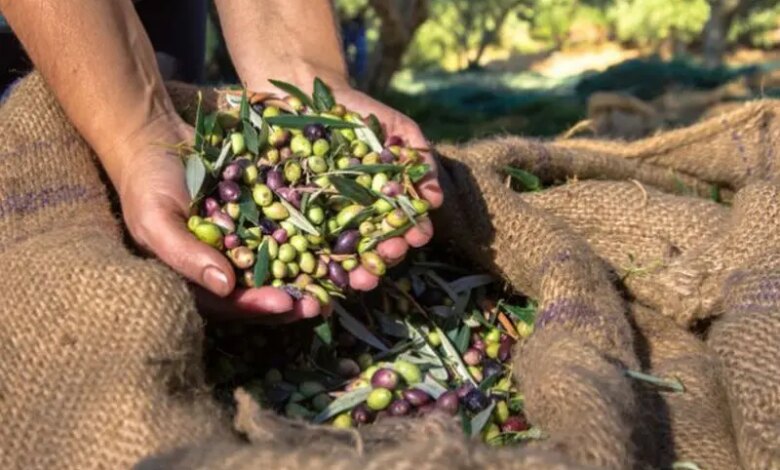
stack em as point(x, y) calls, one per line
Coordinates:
point(461, 340)
point(299, 122)
point(222, 156)
point(323, 97)
point(261, 265)
point(525, 314)
point(425, 348)
point(324, 332)
point(195, 173)
point(199, 124)
point(358, 329)
point(444, 285)
point(451, 353)
point(293, 90)
point(430, 386)
point(350, 189)
point(471, 282)
point(376, 127)
point(418, 172)
point(251, 138)
point(528, 180)
point(365, 134)
point(243, 112)
point(248, 207)
point(391, 326)
point(394, 233)
point(298, 219)
point(388, 168)
point(265, 131)
point(406, 205)
point(343, 403)
point(479, 421)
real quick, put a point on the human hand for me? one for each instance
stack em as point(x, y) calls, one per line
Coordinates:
point(156, 205)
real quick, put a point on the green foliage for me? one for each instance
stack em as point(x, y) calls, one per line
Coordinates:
point(650, 22)
point(755, 27)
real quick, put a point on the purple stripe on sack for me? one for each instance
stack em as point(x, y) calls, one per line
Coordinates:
point(567, 311)
point(764, 295)
point(40, 146)
point(543, 157)
point(27, 203)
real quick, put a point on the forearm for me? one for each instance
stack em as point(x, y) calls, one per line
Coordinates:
point(97, 58)
point(291, 40)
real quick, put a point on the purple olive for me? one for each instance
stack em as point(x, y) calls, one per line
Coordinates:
point(504, 351)
point(210, 206)
point(338, 274)
point(416, 397)
point(231, 241)
point(400, 408)
point(476, 400)
point(314, 132)
point(268, 226)
point(385, 378)
point(290, 195)
point(223, 221)
point(258, 108)
point(491, 367)
point(354, 161)
point(479, 345)
point(515, 424)
point(394, 140)
point(280, 235)
point(472, 357)
point(346, 243)
point(392, 189)
point(229, 191)
point(448, 402)
point(386, 156)
point(362, 415)
point(464, 389)
point(274, 180)
point(232, 172)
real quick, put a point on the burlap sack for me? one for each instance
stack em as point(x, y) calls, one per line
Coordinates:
point(100, 349)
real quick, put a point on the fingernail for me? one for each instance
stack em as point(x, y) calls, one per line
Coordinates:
point(216, 281)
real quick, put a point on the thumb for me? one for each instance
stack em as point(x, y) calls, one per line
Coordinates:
point(169, 239)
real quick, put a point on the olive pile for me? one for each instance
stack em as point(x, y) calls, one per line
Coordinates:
point(430, 339)
point(299, 191)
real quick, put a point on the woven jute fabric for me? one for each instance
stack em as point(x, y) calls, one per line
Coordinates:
point(625, 253)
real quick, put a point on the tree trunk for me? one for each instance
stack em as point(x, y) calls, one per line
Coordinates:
point(400, 20)
point(716, 31)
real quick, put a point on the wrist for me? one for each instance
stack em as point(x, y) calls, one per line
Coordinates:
point(301, 74)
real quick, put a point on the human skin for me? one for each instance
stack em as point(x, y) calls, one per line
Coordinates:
point(99, 62)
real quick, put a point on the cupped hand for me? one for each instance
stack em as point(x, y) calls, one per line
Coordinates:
point(156, 205)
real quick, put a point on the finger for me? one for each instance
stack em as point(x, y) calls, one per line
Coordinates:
point(306, 307)
point(166, 236)
point(393, 250)
point(429, 187)
point(361, 279)
point(420, 234)
point(263, 303)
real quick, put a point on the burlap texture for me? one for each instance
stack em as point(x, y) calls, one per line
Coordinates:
point(104, 352)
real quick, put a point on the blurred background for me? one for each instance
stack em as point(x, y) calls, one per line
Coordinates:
point(620, 68)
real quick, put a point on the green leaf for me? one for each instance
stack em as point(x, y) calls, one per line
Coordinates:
point(299, 122)
point(489, 382)
point(462, 339)
point(199, 123)
point(251, 138)
point(406, 205)
point(418, 172)
point(209, 124)
point(298, 219)
point(453, 356)
point(395, 233)
point(293, 90)
point(323, 98)
point(528, 180)
point(261, 265)
point(324, 332)
point(222, 156)
point(365, 134)
point(265, 131)
point(358, 329)
point(350, 189)
point(376, 127)
point(343, 403)
point(243, 112)
point(373, 169)
point(479, 421)
point(471, 282)
point(524, 314)
point(248, 207)
point(195, 173)
point(430, 386)
point(672, 384)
